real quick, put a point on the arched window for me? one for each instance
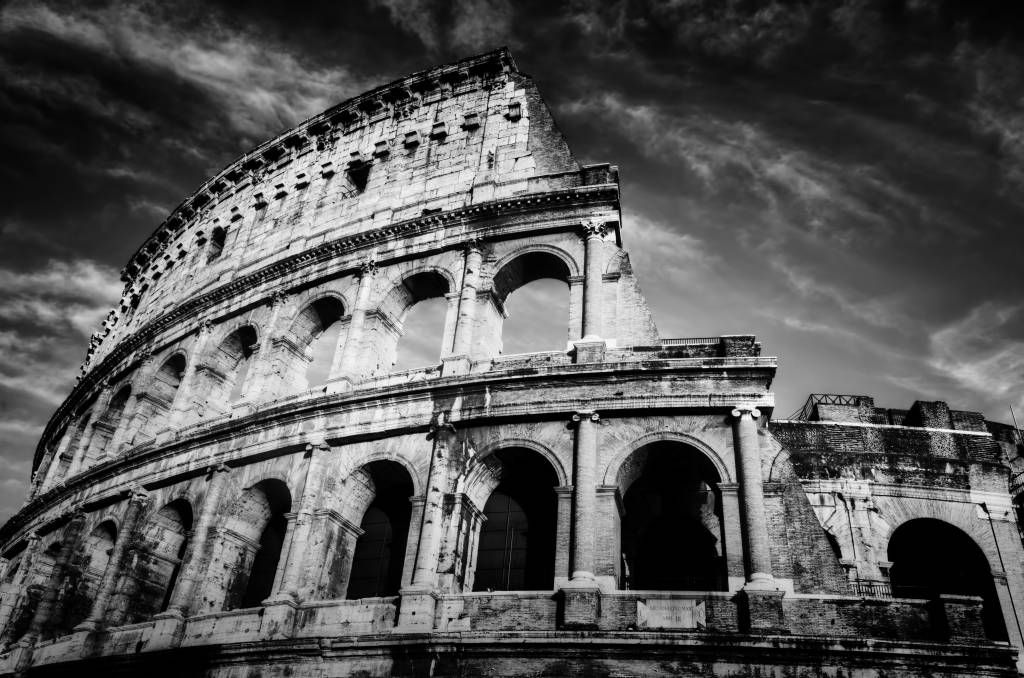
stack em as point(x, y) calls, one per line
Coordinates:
point(380, 551)
point(108, 424)
point(317, 330)
point(153, 414)
point(222, 379)
point(149, 582)
point(930, 557)
point(671, 526)
point(516, 547)
point(392, 343)
point(532, 290)
point(251, 544)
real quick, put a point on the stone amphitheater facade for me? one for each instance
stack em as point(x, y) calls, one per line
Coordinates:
point(624, 506)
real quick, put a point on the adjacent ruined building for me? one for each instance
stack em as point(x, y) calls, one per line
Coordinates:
point(207, 503)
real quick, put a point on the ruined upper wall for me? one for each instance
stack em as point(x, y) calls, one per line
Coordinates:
point(457, 135)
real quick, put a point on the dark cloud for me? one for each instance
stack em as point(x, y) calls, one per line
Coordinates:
point(841, 178)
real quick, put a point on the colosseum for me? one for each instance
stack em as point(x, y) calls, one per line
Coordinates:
point(205, 503)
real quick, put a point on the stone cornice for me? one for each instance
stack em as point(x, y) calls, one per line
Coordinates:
point(467, 216)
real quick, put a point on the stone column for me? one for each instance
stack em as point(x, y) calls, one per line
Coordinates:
point(755, 520)
point(136, 504)
point(420, 598)
point(563, 535)
point(192, 566)
point(467, 308)
point(261, 377)
point(49, 603)
point(347, 366)
point(297, 553)
point(184, 396)
point(585, 504)
point(593, 232)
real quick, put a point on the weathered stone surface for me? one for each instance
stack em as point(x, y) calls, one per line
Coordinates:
point(202, 505)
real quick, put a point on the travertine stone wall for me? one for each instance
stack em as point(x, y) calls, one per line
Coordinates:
point(200, 504)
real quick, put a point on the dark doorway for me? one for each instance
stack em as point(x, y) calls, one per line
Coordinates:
point(264, 565)
point(930, 557)
point(380, 551)
point(516, 550)
point(671, 527)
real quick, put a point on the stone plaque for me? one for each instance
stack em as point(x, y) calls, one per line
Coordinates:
point(670, 614)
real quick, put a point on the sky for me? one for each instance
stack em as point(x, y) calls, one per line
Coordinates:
point(842, 178)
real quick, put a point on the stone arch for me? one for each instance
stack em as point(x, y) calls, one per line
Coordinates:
point(418, 482)
point(571, 269)
point(377, 499)
point(311, 344)
point(544, 451)
point(105, 427)
point(145, 587)
point(612, 470)
point(250, 545)
point(522, 266)
point(930, 557)
point(386, 326)
point(224, 370)
point(670, 519)
point(153, 408)
point(514, 546)
point(86, 572)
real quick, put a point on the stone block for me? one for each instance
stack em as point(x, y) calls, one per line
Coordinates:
point(761, 611)
point(579, 608)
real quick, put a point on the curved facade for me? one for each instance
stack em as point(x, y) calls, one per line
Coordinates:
point(240, 484)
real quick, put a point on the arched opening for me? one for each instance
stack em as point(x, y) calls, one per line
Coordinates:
point(34, 582)
point(516, 547)
point(75, 438)
point(107, 426)
point(152, 413)
point(379, 554)
point(148, 583)
point(408, 330)
point(317, 329)
point(252, 543)
point(532, 309)
point(671, 526)
point(930, 557)
point(87, 570)
point(223, 378)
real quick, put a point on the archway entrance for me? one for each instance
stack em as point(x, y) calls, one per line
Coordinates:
point(379, 555)
point(516, 550)
point(930, 557)
point(672, 520)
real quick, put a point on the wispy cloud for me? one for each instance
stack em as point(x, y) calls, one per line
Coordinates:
point(467, 25)
point(259, 84)
point(984, 353)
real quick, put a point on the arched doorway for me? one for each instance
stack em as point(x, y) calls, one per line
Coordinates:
point(930, 557)
point(671, 525)
point(516, 546)
point(379, 554)
point(252, 542)
point(408, 331)
point(317, 329)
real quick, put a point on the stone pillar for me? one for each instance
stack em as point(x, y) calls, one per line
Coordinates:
point(563, 535)
point(463, 341)
point(297, 553)
point(183, 398)
point(580, 604)
point(347, 367)
point(49, 603)
point(412, 541)
point(420, 598)
point(192, 565)
point(755, 520)
point(593, 232)
point(136, 504)
point(760, 601)
point(585, 491)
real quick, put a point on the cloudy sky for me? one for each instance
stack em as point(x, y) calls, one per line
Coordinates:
point(843, 178)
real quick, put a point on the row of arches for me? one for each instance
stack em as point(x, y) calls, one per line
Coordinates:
point(670, 524)
point(412, 325)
